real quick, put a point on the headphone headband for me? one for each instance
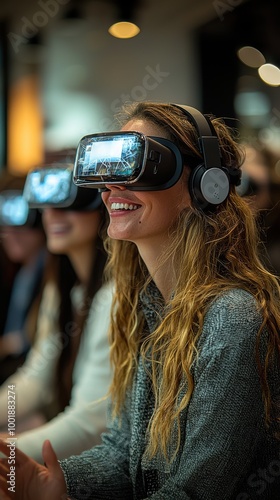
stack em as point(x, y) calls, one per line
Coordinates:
point(210, 181)
point(197, 118)
point(207, 139)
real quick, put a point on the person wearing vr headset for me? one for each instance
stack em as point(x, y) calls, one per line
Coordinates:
point(68, 367)
point(261, 184)
point(23, 244)
point(195, 329)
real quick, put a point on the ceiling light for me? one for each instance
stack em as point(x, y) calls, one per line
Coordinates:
point(270, 74)
point(124, 25)
point(251, 57)
point(124, 29)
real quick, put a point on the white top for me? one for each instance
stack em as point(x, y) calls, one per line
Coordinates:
point(79, 426)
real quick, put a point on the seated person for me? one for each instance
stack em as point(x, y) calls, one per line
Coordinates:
point(195, 331)
point(68, 367)
point(23, 244)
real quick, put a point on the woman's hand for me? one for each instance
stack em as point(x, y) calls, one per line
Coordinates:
point(22, 478)
point(4, 435)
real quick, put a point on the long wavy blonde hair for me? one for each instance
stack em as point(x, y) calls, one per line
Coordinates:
point(211, 252)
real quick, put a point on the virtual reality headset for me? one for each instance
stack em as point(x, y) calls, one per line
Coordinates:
point(53, 186)
point(15, 211)
point(127, 158)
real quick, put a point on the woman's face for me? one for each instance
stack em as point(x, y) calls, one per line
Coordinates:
point(68, 231)
point(144, 217)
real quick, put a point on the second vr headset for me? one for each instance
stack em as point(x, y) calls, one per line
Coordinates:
point(15, 211)
point(53, 186)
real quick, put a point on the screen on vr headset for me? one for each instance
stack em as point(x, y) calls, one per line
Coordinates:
point(110, 156)
point(51, 185)
point(14, 210)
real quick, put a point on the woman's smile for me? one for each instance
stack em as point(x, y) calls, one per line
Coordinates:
point(119, 206)
point(57, 228)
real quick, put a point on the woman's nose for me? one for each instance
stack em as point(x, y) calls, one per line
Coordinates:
point(112, 187)
point(49, 212)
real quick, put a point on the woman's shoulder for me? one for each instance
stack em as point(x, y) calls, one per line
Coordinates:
point(105, 294)
point(234, 316)
point(50, 292)
point(101, 303)
point(236, 300)
point(47, 321)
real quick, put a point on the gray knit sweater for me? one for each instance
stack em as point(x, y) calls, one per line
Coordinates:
point(226, 452)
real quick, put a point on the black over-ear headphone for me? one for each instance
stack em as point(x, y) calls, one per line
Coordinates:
point(209, 181)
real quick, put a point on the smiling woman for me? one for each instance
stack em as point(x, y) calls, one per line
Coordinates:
point(194, 335)
point(23, 245)
point(73, 233)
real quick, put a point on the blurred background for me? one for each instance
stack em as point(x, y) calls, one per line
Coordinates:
point(63, 75)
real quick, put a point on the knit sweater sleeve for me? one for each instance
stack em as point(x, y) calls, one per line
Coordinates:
point(103, 471)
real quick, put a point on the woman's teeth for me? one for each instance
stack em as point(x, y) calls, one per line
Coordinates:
point(123, 206)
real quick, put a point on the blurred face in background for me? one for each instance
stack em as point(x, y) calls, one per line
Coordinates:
point(69, 231)
point(21, 243)
point(256, 168)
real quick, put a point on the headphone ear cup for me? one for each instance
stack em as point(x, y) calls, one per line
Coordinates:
point(208, 186)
